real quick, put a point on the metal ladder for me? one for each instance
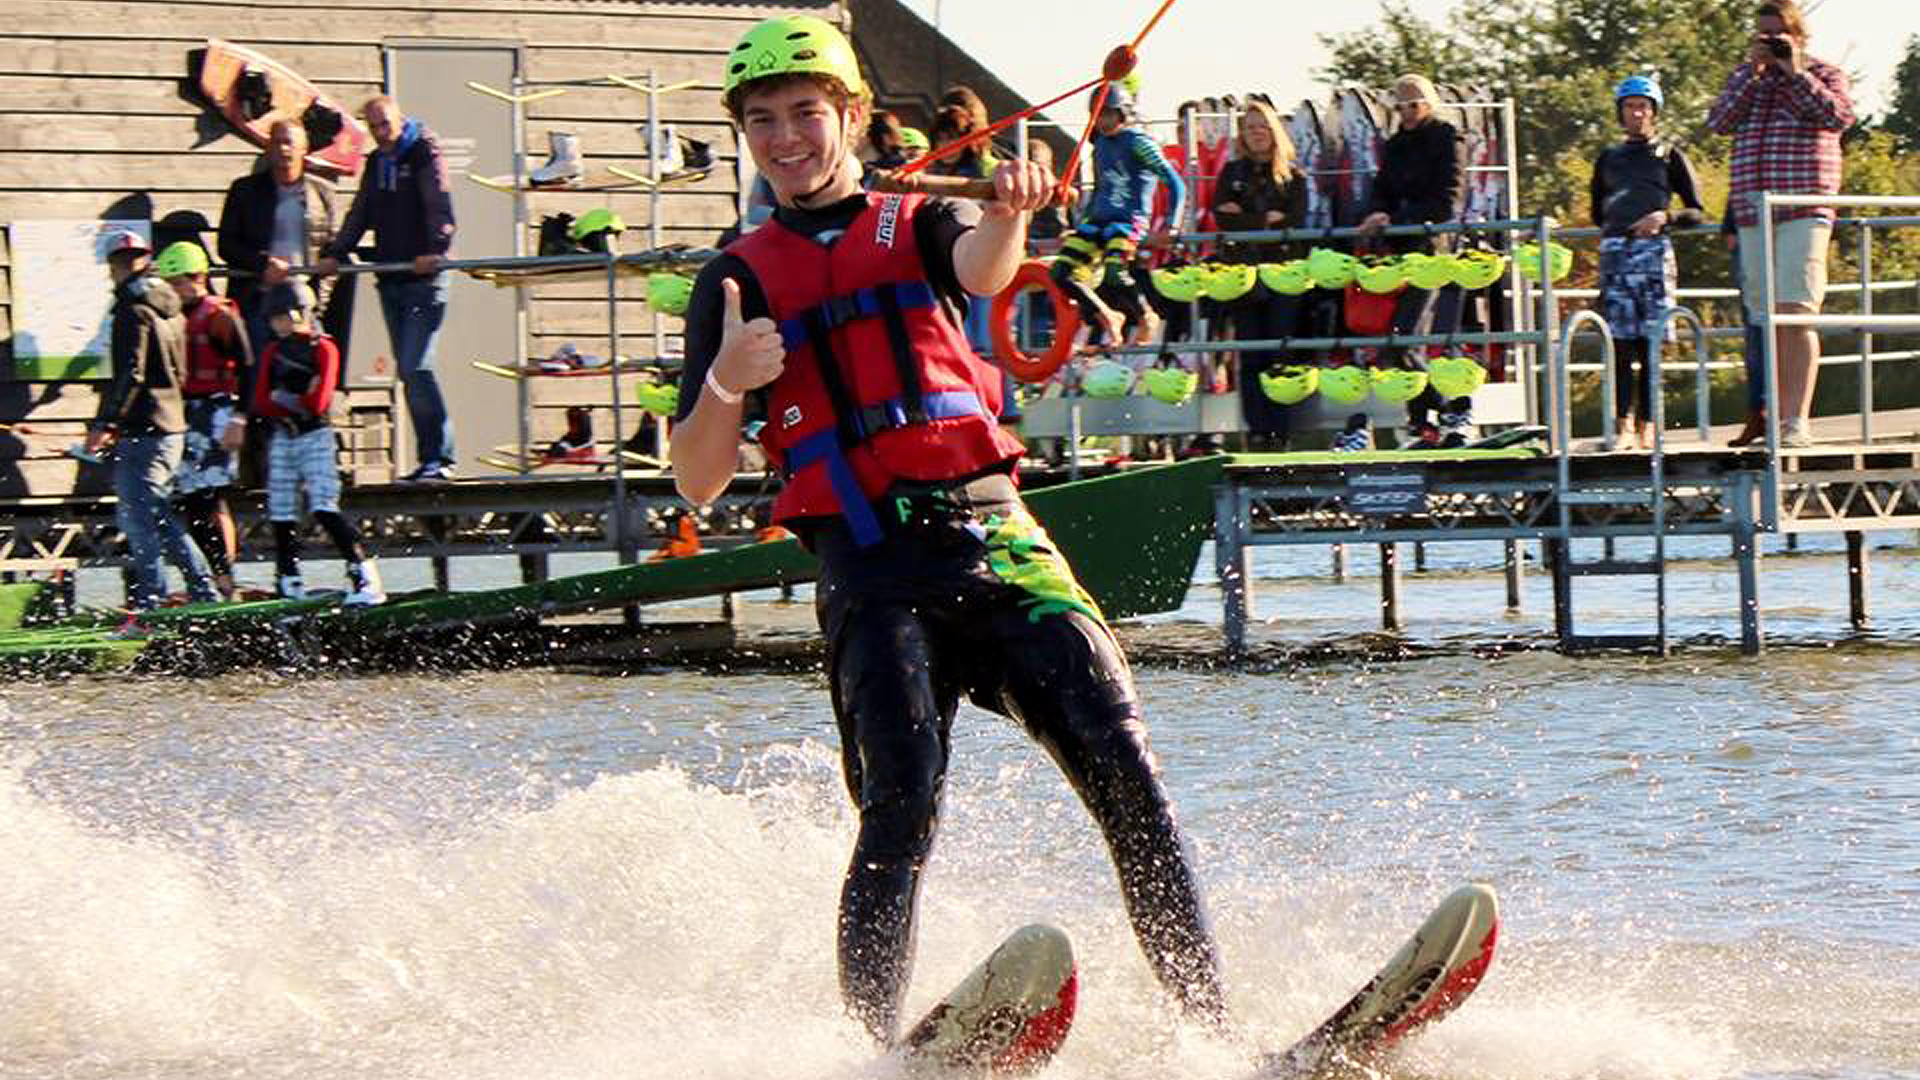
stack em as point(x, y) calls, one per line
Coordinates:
point(1653, 498)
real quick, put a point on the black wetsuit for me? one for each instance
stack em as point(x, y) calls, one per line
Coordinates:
point(1636, 177)
point(965, 597)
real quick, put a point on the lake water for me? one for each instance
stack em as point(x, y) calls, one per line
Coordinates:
point(1709, 865)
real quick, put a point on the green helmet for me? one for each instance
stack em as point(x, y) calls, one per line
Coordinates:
point(1428, 271)
point(1456, 376)
point(1397, 386)
point(1290, 385)
point(914, 139)
point(1169, 384)
point(1478, 268)
point(1107, 379)
point(1382, 276)
point(660, 399)
point(1345, 385)
point(1331, 269)
point(1227, 282)
point(1559, 260)
point(793, 45)
point(594, 222)
point(668, 293)
point(1289, 278)
point(1181, 285)
point(180, 258)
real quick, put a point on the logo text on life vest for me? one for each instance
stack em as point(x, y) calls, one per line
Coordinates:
point(790, 418)
point(889, 219)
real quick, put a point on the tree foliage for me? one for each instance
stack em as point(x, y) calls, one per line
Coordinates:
point(1903, 123)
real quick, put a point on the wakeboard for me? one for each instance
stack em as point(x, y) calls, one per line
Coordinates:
point(1008, 1016)
point(254, 92)
point(1428, 978)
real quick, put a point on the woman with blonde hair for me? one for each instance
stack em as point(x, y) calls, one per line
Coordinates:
point(1261, 187)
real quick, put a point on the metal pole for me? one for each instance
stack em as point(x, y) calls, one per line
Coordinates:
point(1390, 587)
point(1746, 556)
point(1419, 556)
point(1514, 572)
point(1770, 508)
point(523, 394)
point(1866, 336)
point(1230, 567)
point(622, 544)
point(1340, 563)
point(1073, 440)
point(1857, 577)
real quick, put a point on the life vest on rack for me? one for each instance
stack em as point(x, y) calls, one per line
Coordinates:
point(879, 385)
point(213, 366)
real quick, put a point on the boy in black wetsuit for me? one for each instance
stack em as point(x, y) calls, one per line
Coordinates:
point(1633, 184)
point(838, 318)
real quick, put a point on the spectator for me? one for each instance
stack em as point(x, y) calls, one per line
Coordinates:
point(1633, 184)
point(142, 413)
point(1261, 187)
point(962, 113)
point(1420, 180)
point(293, 395)
point(1052, 221)
point(219, 367)
point(1786, 112)
point(885, 145)
point(403, 198)
point(273, 219)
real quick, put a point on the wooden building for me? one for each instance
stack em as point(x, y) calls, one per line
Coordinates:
point(94, 125)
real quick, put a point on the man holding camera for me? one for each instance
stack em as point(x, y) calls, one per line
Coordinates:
point(1786, 112)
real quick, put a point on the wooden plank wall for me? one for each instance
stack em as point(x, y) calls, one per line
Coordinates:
point(91, 116)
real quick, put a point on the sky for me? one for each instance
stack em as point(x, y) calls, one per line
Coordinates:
point(1214, 47)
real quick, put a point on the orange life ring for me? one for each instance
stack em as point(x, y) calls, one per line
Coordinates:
point(1066, 321)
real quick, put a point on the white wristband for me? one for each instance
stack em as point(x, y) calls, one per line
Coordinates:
point(726, 396)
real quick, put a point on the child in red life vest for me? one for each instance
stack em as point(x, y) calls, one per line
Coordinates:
point(293, 391)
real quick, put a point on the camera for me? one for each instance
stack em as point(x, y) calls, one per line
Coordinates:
point(1781, 48)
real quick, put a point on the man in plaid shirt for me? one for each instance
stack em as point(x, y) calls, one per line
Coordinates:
point(1786, 112)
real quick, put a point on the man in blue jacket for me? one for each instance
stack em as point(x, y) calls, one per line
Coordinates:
point(403, 198)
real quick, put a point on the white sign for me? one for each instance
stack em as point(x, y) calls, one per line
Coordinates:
point(62, 293)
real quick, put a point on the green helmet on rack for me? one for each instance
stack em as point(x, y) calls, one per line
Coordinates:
point(1290, 385)
point(1107, 379)
point(1426, 271)
point(1170, 384)
point(1381, 276)
point(660, 399)
point(1345, 385)
point(792, 45)
point(1288, 278)
point(595, 229)
point(1182, 284)
point(1455, 376)
point(1397, 386)
point(180, 258)
point(1331, 269)
point(668, 293)
point(1227, 282)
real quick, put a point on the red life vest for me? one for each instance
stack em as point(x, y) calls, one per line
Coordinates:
point(923, 407)
point(211, 367)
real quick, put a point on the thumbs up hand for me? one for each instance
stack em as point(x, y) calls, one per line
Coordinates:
point(751, 353)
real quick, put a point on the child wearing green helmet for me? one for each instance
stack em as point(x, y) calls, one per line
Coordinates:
point(836, 322)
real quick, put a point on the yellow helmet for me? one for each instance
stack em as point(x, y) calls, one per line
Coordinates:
point(1397, 386)
point(1345, 385)
point(1290, 385)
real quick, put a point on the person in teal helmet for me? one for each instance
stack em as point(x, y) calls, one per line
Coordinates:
point(1634, 183)
point(837, 322)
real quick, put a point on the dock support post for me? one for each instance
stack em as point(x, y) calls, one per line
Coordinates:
point(1857, 580)
point(1419, 556)
point(1515, 570)
point(442, 574)
point(1557, 552)
point(1390, 587)
point(1230, 567)
point(728, 611)
point(535, 568)
point(1746, 556)
point(1340, 563)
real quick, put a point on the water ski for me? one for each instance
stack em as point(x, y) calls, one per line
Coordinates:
point(1501, 440)
point(1008, 1016)
point(1427, 979)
